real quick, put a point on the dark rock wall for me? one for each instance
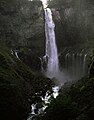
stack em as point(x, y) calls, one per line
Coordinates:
point(75, 26)
point(18, 86)
point(22, 24)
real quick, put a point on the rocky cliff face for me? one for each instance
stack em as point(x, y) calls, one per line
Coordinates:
point(19, 86)
point(22, 24)
point(75, 27)
point(21, 44)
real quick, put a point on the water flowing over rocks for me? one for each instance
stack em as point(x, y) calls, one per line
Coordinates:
point(74, 65)
point(51, 48)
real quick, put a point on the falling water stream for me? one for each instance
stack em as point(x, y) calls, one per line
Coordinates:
point(75, 65)
point(51, 48)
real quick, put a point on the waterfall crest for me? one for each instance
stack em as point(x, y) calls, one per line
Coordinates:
point(51, 48)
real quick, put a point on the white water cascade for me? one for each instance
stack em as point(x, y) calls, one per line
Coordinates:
point(51, 48)
point(76, 65)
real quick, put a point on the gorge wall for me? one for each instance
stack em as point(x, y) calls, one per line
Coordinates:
point(74, 23)
point(22, 24)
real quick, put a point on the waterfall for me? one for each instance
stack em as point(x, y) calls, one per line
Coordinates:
point(73, 64)
point(76, 65)
point(84, 64)
point(41, 63)
point(51, 48)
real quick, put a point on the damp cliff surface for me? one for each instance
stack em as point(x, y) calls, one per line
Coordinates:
point(22, 24)
point(18, 86)
point(74, 23)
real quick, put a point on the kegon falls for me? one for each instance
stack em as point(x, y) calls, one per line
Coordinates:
point(46, 59)
point(74, 63)
point(51, 54)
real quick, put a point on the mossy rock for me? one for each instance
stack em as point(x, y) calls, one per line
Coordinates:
point(18, 85)
point(75, 102)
